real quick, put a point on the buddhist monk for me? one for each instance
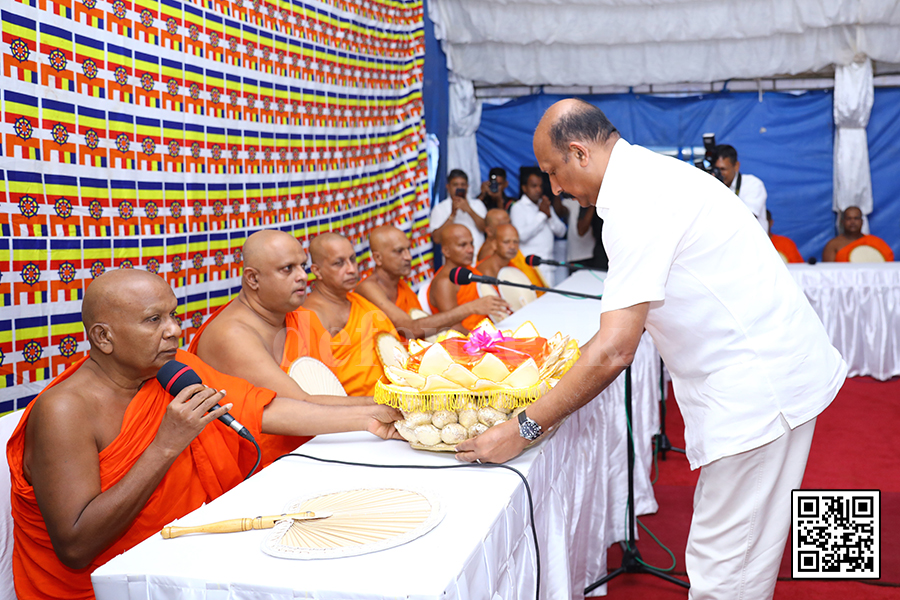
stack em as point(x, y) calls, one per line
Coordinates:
point(838, 249)
point(387, 289)
point(259, 335)
point(506, 246)
point(443, 294)
point(105, 457)
point(494, 218)
point(343, 325)
point(785, 246)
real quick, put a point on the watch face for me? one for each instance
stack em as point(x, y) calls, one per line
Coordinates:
point(528, 429)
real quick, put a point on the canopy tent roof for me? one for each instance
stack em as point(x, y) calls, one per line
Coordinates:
point(652, 42)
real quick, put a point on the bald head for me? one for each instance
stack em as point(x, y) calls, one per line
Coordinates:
point(265, 247)
point(118, 293)
point(457, 245)
point(506, 242)
point(852, 220)
point(274, 276)
point(384, 237)
point(494, 218)
point(334, 262)
point(574, 120)
point(390, 251)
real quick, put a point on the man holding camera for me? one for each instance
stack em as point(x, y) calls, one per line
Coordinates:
point(749, 189)
point(493, 191)
point(457, 208)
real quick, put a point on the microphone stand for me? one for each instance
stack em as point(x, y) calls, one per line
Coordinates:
point(663, 444)
point(538, 288)
point(631, 556)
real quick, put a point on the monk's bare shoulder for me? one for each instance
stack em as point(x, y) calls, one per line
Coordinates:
point(227, 340)
point(371, 291)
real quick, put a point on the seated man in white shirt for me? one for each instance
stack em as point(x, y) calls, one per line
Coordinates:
point(749, 188)
point(537, 223)
point(458, 209)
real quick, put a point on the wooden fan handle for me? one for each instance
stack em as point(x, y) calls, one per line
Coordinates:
point(228, 526)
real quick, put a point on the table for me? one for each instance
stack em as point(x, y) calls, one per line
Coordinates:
point(859, 304)
point(483, 547)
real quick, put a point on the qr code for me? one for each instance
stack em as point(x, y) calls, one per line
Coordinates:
point(836, 534)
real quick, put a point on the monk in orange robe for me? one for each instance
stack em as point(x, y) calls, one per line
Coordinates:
point(342, 325)
point(838, 249)
point(506, 246)
point(104, 457)
point(258, 336)
point(496, 218)
point(443, 294)
point(785, 246)
point(387, 289)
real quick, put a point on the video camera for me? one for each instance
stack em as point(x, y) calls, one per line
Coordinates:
point(708, 162)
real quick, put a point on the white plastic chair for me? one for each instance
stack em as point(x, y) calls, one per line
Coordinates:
point(8, 424)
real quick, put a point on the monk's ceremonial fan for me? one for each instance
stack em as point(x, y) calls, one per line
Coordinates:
point(516, 297)
point(360, 521)
point(336, 524)
point(315, 378)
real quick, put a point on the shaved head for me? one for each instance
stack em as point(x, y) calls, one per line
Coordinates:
point(496, 217)
point(274, 271)
point(382, 238)
point(118, 293)
point(264, 247)
point(334, 262)
point(457, 245)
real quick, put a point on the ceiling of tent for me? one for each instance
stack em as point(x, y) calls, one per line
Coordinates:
point(653, 42)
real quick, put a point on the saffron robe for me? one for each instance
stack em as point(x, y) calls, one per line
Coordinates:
point(213, 463)
point(786, 248)
point(533, 275)
point(465, 293)
point(272, 445)
point(406, 298)
point(843, 255)
point(350, 354)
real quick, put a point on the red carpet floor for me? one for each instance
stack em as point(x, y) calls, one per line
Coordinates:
point(853, 448)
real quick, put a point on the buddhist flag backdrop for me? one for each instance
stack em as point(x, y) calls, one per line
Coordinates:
point(159, 134)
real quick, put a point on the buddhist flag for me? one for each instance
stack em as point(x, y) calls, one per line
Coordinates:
point(22, 115)
point(173, 140)
point(250, 90)
point(281, 59)
point(153, 254)
point(266, 102)
point(218, 253)
point(235, 151)
point(57, 47)
point(32, 340)
point(121, 133)
point(92, 131)
point(150, 201)
point(251, 41)
point(233, 51)
point(123, 195)
point(30, 261)
point(216, 142)
point(147, 27)
point(172, 76)
point(198, 254)
point(95, 198)
point(60, 124)
point(19, 47)
point(172, 17)
point(176, 220)
point(127, 252)
point(61, 192)
point(147, 72)
point(253, 193)
point(266, 47)
point(217, 193)
point(216, 97)
point(235, 111)
point(195, 140)
point(253, 150)
point(67, 336)
point(215, 32)
point(90, 56)
point(25, 192)
point(88, 13)
point(193, 22)
point(176, 250)
point(237, 206)
point(193, 83)
point(197, 217)
point(119, 61)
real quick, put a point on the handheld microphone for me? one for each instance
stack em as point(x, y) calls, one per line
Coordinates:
point(463, 276)
point(174, 376)
point(533, 260)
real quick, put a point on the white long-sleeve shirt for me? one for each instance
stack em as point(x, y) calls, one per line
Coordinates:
point(536, 231)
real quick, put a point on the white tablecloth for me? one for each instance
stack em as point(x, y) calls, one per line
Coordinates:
point(483, 547)
point(860, 307)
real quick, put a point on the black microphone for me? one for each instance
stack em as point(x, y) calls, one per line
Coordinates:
point(463, 276)
point(174, 376)
point(533, 260)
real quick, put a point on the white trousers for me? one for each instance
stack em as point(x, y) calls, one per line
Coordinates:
point(742, 515)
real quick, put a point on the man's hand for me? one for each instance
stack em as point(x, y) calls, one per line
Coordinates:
point(186, 416)
point(459, 203)
point(498, 444)
point(382, 422)
point(490, 305)
point(544, 206)
point(486, 191)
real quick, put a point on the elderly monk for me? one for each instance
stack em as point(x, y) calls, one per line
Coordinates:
point(443, 294)
point(105, 457)
point(259, 335)
point(838, 249)
point(495, 218)
point(386, 288)
point(342, 324)
point(506, 246)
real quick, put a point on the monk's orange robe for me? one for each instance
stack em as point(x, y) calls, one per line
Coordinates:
point(533, 275)
point(350, 354)
point(214, 462)
point(271, 445)
point(843, 255)
point(786, 248)
point(406, 298)
point(465, 293)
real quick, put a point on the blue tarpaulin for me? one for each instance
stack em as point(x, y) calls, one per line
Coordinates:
point(784, 139)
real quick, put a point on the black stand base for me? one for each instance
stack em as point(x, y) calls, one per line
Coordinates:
point(663, 445)
point(630, 564)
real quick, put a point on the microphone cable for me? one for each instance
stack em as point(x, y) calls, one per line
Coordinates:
point(258, 457)
point(537, 550)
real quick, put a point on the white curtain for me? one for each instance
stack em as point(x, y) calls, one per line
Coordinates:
point(465, 117)
point(853, 98)
point(633, 42)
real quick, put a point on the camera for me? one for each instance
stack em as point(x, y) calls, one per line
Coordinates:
point(460, 192)
point(708, 162)
point(494, 187)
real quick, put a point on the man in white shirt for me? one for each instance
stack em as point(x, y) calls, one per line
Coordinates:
point(749, 188)
point(580, 238)
point(751, 363)
point(459, 209)
point(536, 221)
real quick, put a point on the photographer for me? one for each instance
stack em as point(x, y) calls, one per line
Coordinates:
point(459, 209)
point(493, 191)
point(748, 188)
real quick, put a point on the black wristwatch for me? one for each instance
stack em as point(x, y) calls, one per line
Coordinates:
point(528, 428)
